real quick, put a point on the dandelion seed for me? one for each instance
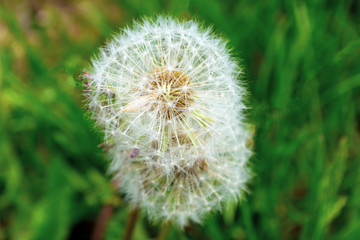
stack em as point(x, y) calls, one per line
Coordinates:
point(170, 89)
point(134, 153)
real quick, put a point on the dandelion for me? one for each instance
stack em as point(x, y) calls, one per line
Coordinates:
point(166, 95)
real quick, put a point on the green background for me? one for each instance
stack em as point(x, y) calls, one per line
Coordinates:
point(302, 63)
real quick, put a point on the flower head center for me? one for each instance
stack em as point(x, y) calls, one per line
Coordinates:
point(168, 92)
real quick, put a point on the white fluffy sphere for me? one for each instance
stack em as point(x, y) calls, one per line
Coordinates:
point(167, 96)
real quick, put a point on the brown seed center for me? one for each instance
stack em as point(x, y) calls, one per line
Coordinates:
point(170, 91)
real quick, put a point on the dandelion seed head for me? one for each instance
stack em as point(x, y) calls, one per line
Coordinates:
point(166, 94)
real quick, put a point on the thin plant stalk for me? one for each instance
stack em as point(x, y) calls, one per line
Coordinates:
point(130, 225)
point(101, 222)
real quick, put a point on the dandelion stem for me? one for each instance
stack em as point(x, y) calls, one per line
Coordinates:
point(164, 231)
point(101, 222)
point(130, 225)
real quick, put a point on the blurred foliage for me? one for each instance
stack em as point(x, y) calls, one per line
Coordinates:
point(302, 61)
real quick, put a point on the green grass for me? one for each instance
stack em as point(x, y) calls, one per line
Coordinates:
point(302, 61)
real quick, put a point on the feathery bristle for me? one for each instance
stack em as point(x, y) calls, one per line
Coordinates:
point(166, 94)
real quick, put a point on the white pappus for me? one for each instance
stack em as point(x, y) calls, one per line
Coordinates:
point(167, 95)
